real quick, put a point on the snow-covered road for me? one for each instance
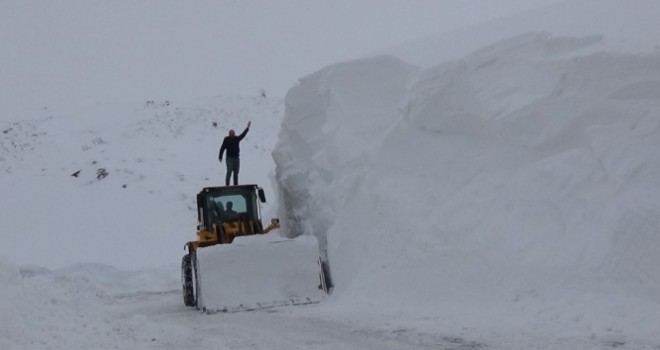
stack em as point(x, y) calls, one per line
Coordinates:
point(171, 326)
point(94, 306)
point(99, 307)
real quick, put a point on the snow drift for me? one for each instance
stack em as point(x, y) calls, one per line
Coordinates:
point(519, 180)
point(81, 306)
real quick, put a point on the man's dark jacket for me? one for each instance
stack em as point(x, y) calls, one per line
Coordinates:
point(230, 143)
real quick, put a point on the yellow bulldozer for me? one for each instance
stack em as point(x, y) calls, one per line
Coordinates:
point(235, 266)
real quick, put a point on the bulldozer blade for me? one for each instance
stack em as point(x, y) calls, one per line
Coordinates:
point(259, 272)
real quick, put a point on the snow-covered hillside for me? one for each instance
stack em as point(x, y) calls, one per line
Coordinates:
point(138, 168)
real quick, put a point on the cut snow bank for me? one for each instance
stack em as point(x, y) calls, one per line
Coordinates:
point(333, 121)
point(515, 189)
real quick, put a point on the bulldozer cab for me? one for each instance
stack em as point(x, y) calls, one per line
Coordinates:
point(230, 204)
point(228, 211)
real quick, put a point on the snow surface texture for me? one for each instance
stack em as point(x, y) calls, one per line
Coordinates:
point(259, 272)
point(503, 200)
point(520, 184)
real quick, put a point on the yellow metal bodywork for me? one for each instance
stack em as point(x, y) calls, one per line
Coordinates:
point(214, 228)
point(231, 230)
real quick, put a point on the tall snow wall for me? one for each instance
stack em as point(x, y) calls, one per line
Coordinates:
point(334, 120)
point(513, 177)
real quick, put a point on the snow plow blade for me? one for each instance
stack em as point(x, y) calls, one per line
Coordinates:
point(257, 272)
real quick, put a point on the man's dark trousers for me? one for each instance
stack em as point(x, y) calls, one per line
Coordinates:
point(233, 165)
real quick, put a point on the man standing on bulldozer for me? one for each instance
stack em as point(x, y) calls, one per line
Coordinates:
point(231, 144)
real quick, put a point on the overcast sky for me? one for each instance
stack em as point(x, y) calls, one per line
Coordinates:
point(79, 52)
